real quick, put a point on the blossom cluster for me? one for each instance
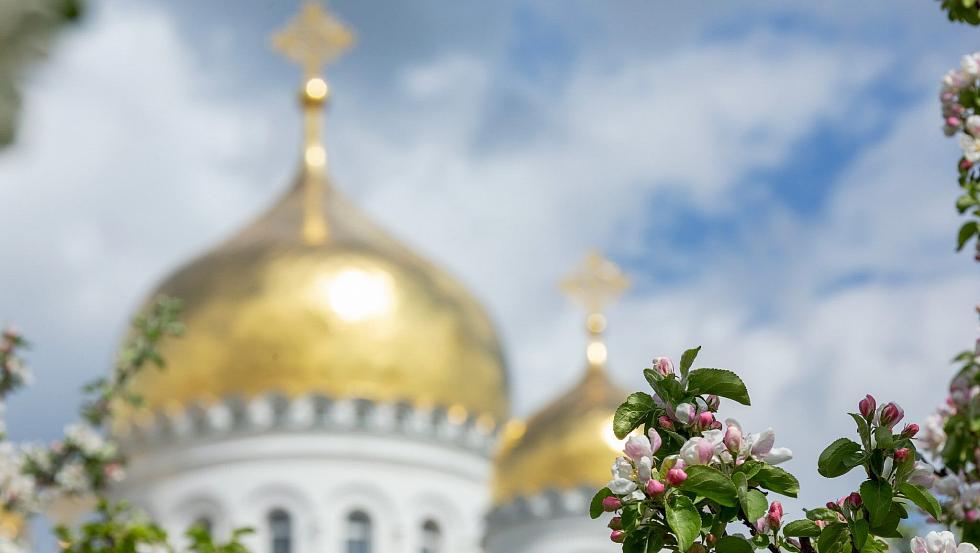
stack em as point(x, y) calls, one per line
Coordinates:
point(960, 100)
point(35, 478)
point(951, 437)
point(685, 477)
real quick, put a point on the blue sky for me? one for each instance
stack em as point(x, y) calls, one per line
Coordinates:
point(772, 175)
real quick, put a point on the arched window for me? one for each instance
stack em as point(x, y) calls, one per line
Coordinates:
point(280, 532)
point(431, 538)
point(358, 532)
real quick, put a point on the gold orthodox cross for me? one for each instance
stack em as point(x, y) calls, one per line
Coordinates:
point(313, 39)
point(595, 284)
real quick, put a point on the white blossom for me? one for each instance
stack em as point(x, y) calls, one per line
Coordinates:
point(622, 473)
point(85, 438)
point(940, 542)
point(971, 147)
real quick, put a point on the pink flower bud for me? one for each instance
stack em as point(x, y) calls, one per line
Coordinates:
point(910, 430)
point(972, 515)
point(953, 121)
point(762, 525)
point(663, 365)
point(733, 438)
point(713, 402)
point(965, 164)
point(618, 536)
point(611, 504)
point(854, 500)
point(705, 419)
point(821, 523)
point(655, 440)
point(890, 415)
point(655, 488)
point(616, 523)
point(833, 506)
point(716, 425)
point(867, 406)
point(665, 422)
point(901, 454)
point(676, 476)
point(775, 516)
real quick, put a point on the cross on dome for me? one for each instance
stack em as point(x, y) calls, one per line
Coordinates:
point(313, 38)
point(595, 284)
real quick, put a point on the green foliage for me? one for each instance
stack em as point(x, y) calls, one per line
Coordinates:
point(711, 483)
point(801, 528)
point(777, 480)
point(734, 544)
point(632, 413)
point(117, 528)
point(839, 458)
point(595, 508)
point(922, 498)
point(877, 498)
point(687, 359)
point(684, 520)
point(963, 11)
point(720, 382)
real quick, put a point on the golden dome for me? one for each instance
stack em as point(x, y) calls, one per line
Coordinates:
point(568, 444)
point(356, 316)
point(315, 298)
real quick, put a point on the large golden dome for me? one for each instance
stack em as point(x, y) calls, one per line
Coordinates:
point(314, 298)
point(568, 444)
point(357, 316)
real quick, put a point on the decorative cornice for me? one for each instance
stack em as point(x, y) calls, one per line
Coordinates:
point(234, 417)
point(549, 504)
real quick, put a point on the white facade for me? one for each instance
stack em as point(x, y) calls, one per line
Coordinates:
point(552, 522)
point(345, 476)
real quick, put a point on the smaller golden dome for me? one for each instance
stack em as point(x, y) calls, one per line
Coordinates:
point(568, 444)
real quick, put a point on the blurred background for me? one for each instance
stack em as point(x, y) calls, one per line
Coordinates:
point(772, 176)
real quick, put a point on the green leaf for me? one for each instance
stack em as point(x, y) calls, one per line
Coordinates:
point(877, 498)
point(734, 544)
point(630, 516)
point(749, 468)
point(684, 520)
point(966, 232)
point(863, 429)
point(859, 532)
point(687, 360)
point(595, 508)
point(741, 483)
point(884, 438)
point(667, 387)
point(632, 413)
point(832, 538)
point(821, 513)
point(636, 542)
point(777, 480)
point(720, 382)
point(754, 504)
point(922, 498)
point(889, 527)
point(839, 458)
point(801, 528)
point(711, 483)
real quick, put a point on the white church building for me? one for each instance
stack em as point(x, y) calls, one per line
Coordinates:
point(340, 394)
